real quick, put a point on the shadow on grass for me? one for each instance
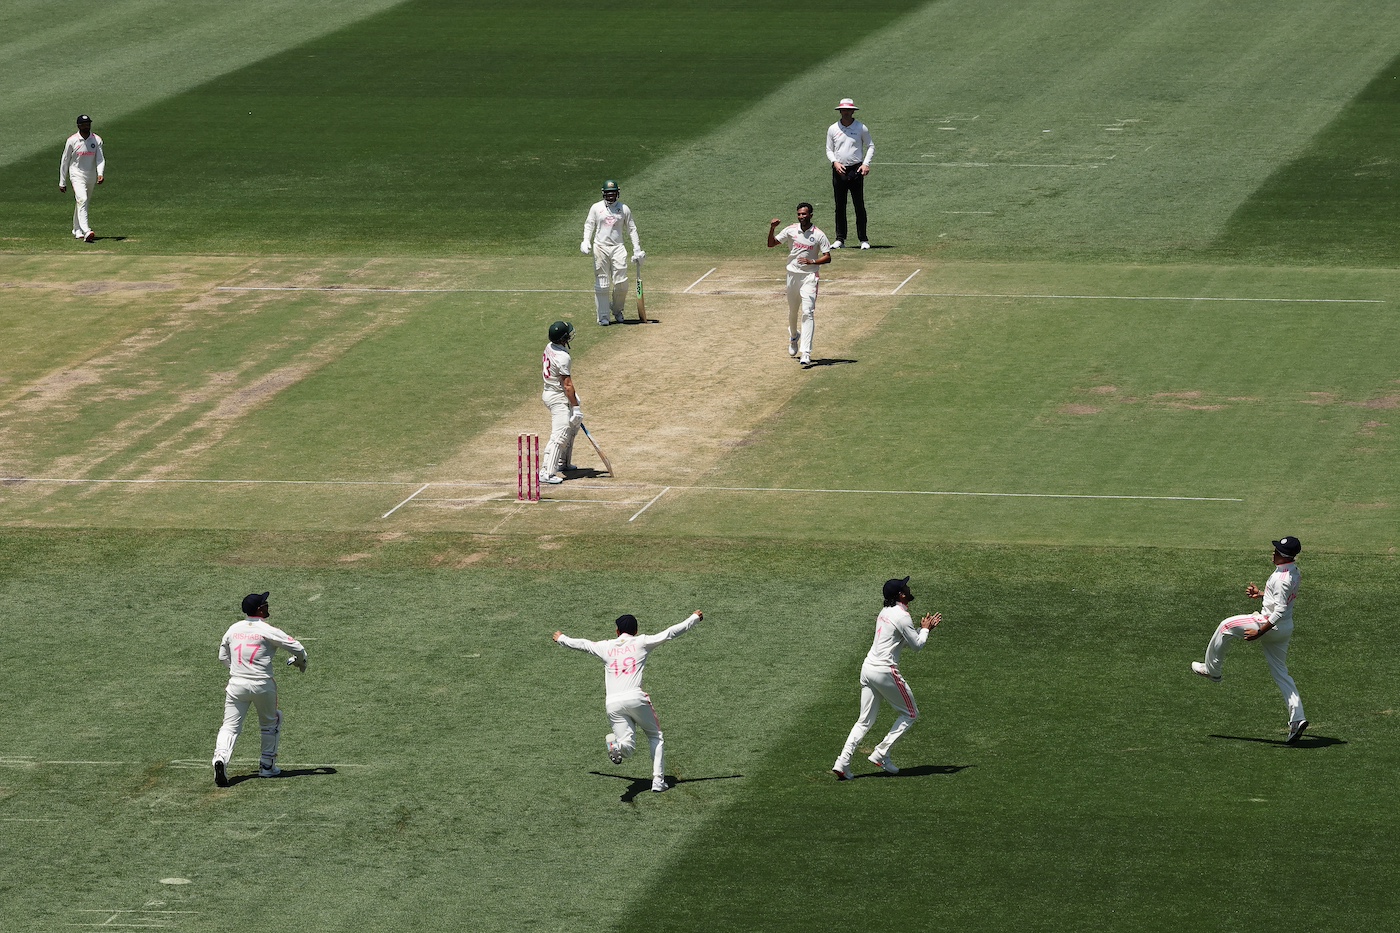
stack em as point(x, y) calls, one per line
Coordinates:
point(286, 773)
point(114, 239)
point(579, 472)
point(638, 786)
point(1307, 741)
point(915, 771)
point(825, 362)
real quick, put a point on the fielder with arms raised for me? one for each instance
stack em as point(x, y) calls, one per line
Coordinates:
point(629, 708)
point(247, 651)
point(880, 677)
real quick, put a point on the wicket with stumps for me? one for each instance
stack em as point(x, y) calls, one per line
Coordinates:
point(527, 468)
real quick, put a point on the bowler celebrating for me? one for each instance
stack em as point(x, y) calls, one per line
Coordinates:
point(809, 248)
point(628, 706)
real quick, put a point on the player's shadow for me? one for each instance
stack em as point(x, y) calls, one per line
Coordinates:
point(826, 362)
point(585, 473)
point(638, 786)
point(631, 321)
point(1307, 740)
point(114, 239)
point(234, 781)
point(915, 771)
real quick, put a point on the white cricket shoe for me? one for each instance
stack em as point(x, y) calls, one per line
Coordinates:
point(864, 244)
point(1199, 668)
point(268, 770)
point(842, 770)
point(659, 786)
point(839, 244)
point(551, 479)
point(1295, 731)
point(792, 346)
point(884, 763)
point(806, 360)
point(614, 750)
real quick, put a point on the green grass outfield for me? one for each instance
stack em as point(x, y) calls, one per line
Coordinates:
point(1133, 315)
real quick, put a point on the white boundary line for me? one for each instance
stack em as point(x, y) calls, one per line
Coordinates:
point(905, 282)
point(701, 279)
point(930, 492)
point(650, 504)
point(216, 482)
point(1003, 164)
point(405, 502)
point(1344, 301)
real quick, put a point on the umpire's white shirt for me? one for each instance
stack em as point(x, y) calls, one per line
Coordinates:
point(849, 144)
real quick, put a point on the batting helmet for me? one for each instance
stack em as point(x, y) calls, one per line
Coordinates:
point(561, 332)
point(610, 188)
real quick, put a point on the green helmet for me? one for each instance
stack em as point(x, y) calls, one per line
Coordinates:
point(610, 188)
point(561, 332)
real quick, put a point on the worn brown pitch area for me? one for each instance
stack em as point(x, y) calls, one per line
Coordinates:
point(668, 400)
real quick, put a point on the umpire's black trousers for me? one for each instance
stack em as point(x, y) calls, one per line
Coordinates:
point(852, 183)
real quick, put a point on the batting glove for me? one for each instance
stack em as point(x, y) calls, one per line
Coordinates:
point(298, 663)
point(578, 416)
point(583, 247)
point(639, 255)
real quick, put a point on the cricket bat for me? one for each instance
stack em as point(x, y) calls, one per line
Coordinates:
point(641, 316)
point(607, 465)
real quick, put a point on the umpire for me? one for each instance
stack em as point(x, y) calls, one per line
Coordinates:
point(850, 150)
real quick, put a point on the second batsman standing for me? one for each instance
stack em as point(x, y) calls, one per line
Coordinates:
point(602, 236)
point(808, 249)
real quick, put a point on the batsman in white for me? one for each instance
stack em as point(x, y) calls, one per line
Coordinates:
point(809, 248)
point(84, 165)
point(880, 678)
point(602, 236)
point(247, 651)
point(629, 708)
point(562, 401)
point(1271, 626)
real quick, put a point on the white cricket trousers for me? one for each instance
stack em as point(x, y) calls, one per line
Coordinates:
point(802, 309)
point(82, 193)
point(238, 696)
point(610, 280)
point(562, 431)
point(877, 683)
point(630, 713)
point(1274, 643)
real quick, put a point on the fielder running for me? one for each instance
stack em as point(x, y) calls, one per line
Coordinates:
point(82, 164)
point(1271, 626)
point(880, 677)
point(247, 651)
point(562, 401)
point(809, 249)
point(629, 708)
point(602, 236)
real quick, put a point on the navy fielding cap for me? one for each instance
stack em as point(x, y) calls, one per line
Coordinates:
point(893, 588)
point(254, 601)
point(1288, 546)
point(83, 118)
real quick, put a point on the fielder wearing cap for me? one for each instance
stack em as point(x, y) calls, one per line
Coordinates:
point(602, 236)
point(880, 678)
point(1271, 626)
point(84, 165)
point(850, 150)
point(247, 650)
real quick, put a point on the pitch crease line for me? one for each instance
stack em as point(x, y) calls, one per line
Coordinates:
point(701, 279)
point(1353, 301)
point(931, 492)
point(650, 504)
point(905, 282)
point(406, 501)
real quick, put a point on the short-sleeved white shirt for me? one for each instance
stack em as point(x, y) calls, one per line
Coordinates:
point(809, 244)
point(556, 364)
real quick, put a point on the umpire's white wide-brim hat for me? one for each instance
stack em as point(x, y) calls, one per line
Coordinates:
point(847, 104)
